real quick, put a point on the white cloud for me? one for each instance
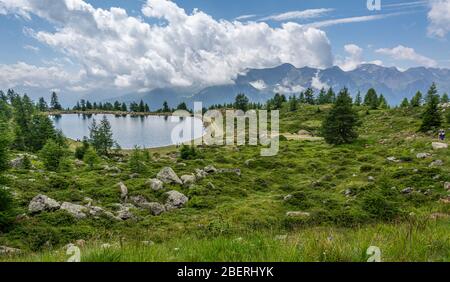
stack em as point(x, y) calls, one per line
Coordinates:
point(288, 89)
point(245, 17)
point(317, 84)
point(407, 54)
point(194, 49)
point(332, 22)
point(298, 15)
point(439, 18)
point(259, 84)
point(23, 74)
point(31, 48)
point(353, 59)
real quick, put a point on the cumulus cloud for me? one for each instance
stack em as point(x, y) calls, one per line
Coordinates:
point(298, 15)
point(180, 49)
point(23, 74)
point(439, 18)
point(407, 54)
point(353, 59)
point(317, 83)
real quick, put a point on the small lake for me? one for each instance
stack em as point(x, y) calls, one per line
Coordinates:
point(130, 131)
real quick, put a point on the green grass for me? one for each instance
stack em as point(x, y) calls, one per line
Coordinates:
point(251, 206)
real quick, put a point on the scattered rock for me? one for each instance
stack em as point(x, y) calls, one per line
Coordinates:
point(200, 173)
point(392, 159)
point(281, 237)
point(167, 175)
point(436, 163)
point(304, 133)
point(210, 169)
point(287, 197)
point(113, 169)
point(407, 190)
point(370, 178)
point(134, 175)
point(156, 208)
point(423, 155)
point(77, 211)
point(188, 179)
point(175, 200)
point(445, 200)
point(155, 184)
point(95, 211)
point(17, 162)
point(42, 203)
point(447, 186)
point(248, 162)
point(438, 145)
point(298, 214)
point(123, 191)
point(79, 163)
point(125, 213)
point(439, 215)
point(237, 171)
point(4, 250)
point(348, 192)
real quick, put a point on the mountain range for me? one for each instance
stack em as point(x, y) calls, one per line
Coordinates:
point(261, 84)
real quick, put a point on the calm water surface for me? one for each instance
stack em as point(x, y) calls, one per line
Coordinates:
point(130, 131)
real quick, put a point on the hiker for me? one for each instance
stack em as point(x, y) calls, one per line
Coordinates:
point(441, 135)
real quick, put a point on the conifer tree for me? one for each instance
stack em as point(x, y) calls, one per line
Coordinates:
point(339, 126)
point(431, 117)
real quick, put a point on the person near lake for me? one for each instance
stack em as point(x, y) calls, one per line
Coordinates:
point(442, 134)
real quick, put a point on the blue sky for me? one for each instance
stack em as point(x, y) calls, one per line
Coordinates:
point(37, 41)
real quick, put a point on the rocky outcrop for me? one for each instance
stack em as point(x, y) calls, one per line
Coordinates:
point(439, 145)
point(168, 176)
point(42, 203)
point(155, 184)
point(4, 250)
point(77, 211)
point(175, 200)
point(156, 208)
point(200, 173)
point(436, 163)
point(123, 191)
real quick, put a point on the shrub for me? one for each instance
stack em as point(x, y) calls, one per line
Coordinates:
point(90, 157)
point(6, 209)
point(188, 152)
point(137, 161)
point(52, 154)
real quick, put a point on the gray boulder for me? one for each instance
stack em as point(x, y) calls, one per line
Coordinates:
point(42, 203)
point(155, 184)
point(77, 211)
point(167, 175)
point(407, 190)
point(156, 208)
point(436, 163)
point(423, 155)
point(123, 191)
point(4, 250)
point(210, 169)
point(175, 200)
point(439, 145)
point(200, 173)
point(447, 186)
point(188, 179)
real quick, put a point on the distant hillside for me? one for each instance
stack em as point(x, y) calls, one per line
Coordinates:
point(260, 84)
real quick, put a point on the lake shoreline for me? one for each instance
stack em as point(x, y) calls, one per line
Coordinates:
point(117, 113)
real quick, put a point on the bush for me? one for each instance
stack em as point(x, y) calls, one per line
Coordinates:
point(90, 157)
point(379, 206)
point(81, 150)
point(52, 154)
point(137, 161)
point(188, 152)
point(6, 210)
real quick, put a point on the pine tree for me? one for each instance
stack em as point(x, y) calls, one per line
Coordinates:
point(117, 106)
point(416, 101)
point(5, 141)
point(137, 161)
point(371, 99)
point(141, 106)
point(42, 105)
point(182, 106)
point(101, 136)
point(301, 98)
point(293, 103)
point(54, 102)
point(52, 155)
point(241, 102)
point(322, 97)
point(331, 96)
point(90, 157)
point(431, 118)
point(358, 99)
point(5, 111)
point(309, 96)
point(339, 127)
point(444, 98)
point(405, 103)
point(124, 107)
point(382, 102)
point(165, 108)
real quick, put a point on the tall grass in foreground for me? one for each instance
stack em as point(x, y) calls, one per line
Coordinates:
point(414, 241)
